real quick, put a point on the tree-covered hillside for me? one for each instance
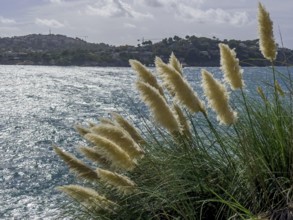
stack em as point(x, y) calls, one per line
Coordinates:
point(37, 49)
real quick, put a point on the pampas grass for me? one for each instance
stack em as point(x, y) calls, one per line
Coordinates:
point(218, 98)
point(94, 156)
point(105, 121)
point(129, 128)
point(279, 88)
point(230, 67)
point(190, 167)
point(120, 137)
point(179, 86)
point(145, 75)
point(266, 36)
point(82, 130)
point(159, 107)
point(261, 93)
point(174, 62)
point(122, 183)
point(111, 151)
point(182, 121)
point(77, 165)
point(89, 197)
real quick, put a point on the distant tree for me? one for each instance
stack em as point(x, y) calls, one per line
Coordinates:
point(193, 56)
point(176, 38)
point(215, 38)
point(170, 40)
point(147, 43)
point(165, 41)
point(233, 43)
point(65, 53)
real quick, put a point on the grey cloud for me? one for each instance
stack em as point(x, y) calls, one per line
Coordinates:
point(172, 3)
point(217, 15)
point(128, 25)
point(7, 21)
point(56, 1)
point(114, 8)
point(153, 3)
point(49, 23)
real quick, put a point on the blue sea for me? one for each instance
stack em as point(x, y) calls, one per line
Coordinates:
point(39, 107)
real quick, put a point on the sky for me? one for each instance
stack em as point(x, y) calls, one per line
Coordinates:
point(121, 22)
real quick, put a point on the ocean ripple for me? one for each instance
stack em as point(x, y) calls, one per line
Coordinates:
point(39, 107)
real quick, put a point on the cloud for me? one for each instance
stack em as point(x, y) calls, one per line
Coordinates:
point(153, 3)
point(109, 8)
point(212, 15)
point(56, 1)
point(171, 3)
point(114, 8)
point(49, 23)
point(7, 20)
point(199, 11)
point(128, 25)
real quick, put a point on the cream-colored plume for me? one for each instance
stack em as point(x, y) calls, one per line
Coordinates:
point(92, 124)
point(120, 137)
point(93, 155)
point(77, 165)
point(174, 62)
point(87, 196)
point(230, 67)
point(261, 93)
point(106, 121)
point(127, 126)
point(267, 43)
point(180, 87)
point(159, 107)
point(112, 152)
point(145, 75)
point(122, 183)
point(218, 98)
point(279, 88)
point(82, 130)
point(182, 120)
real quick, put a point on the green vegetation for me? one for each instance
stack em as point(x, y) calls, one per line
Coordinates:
point(191, 51)
point(187, 166)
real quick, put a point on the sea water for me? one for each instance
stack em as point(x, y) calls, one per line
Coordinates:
point(39, 106)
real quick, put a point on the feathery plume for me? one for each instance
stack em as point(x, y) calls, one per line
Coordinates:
point(267, 43)
point(182, 120)
point(145, 75)
point(120, 137)
point(279, 88)
point(261, 93)
point(106, 121)
point(87, 196)
point(122, 183)
point(218, 98)
point(82, 130)
point(77, 165)
point(93, 155)
point(129, 128)
point(230, 67)
point(92, 124)
point(112, 152)
point(180, 87)
point(159, 107)
point(174, 62)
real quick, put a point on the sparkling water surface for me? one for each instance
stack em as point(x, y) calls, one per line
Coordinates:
point(39, 107)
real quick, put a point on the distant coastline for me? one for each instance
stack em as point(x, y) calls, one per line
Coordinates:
point(60, 50)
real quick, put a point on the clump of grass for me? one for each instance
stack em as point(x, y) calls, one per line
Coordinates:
point(187, 166)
